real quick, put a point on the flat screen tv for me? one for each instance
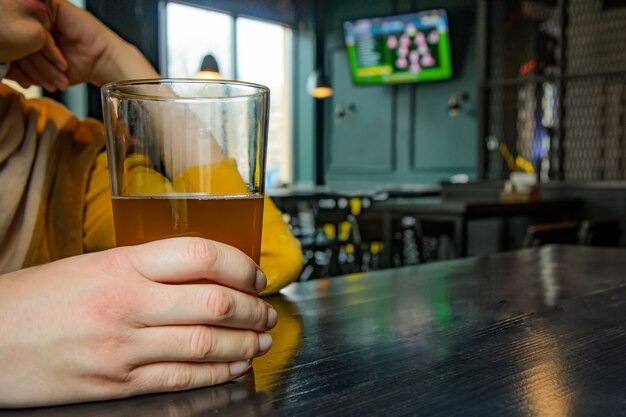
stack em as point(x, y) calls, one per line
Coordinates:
point(406, 48)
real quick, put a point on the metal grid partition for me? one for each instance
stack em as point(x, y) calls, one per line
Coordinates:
point(529, 131)
point(554, 89)
point(595, 126)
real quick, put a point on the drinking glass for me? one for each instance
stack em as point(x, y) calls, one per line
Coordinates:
point(187, 158)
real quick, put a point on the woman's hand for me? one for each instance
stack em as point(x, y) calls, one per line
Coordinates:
point(119, 323)
point(79, 49)
point(45, 67)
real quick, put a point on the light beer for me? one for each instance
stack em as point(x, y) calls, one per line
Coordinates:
point(234, 220)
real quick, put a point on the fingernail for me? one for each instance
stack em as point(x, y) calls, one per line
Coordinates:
point(265, 342)
point(261, 281)
point(272, 318)
point(238, 368)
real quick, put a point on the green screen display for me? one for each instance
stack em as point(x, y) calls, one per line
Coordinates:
point(412, 47)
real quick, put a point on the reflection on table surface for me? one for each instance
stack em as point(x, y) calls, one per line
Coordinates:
point(239, 398)
point(531, 332)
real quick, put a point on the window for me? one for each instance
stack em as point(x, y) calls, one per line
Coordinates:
point(245, 49)
point(192, 33)
point(32, 92)
point(262, 57)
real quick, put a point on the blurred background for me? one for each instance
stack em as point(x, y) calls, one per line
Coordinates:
point(406, 131)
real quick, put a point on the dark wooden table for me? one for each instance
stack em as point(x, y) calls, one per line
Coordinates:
point(459, 212)
point(537, 332)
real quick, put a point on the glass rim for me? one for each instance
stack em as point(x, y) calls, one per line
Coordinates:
point(110, 89)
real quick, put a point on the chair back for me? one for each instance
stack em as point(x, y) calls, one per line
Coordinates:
point(600, 233)
point(564, 233)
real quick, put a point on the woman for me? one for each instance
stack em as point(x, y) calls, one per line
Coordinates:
point(107, 324)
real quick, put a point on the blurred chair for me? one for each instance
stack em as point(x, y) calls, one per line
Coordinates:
point(370, 240)
point(600, 233)
point(588, 232)
point(564, 233)
point(331, 249)
point(437, 243)
point(406, 241)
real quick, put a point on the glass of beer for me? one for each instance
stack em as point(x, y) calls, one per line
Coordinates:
point(187, 158)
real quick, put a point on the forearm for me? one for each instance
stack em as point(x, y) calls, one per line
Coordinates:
point(122, 61)
point(94, 52)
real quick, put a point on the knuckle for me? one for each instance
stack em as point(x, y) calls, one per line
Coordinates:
point(180, 378)
point(114, 260)
point(118, 375)
point(219, 303)
point(106, 370)
point(260, 314)
point(114, 345)
point(112, 297)
point(202, 251)
point(250, 271)
point(250, 345)
point(202, 343)
point(216, 376)
point(111, 306)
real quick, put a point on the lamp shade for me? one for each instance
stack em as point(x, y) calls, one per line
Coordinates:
point(318, 86)
point(209, 68)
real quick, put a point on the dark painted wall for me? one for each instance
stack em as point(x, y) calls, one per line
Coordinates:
point(399, 134)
